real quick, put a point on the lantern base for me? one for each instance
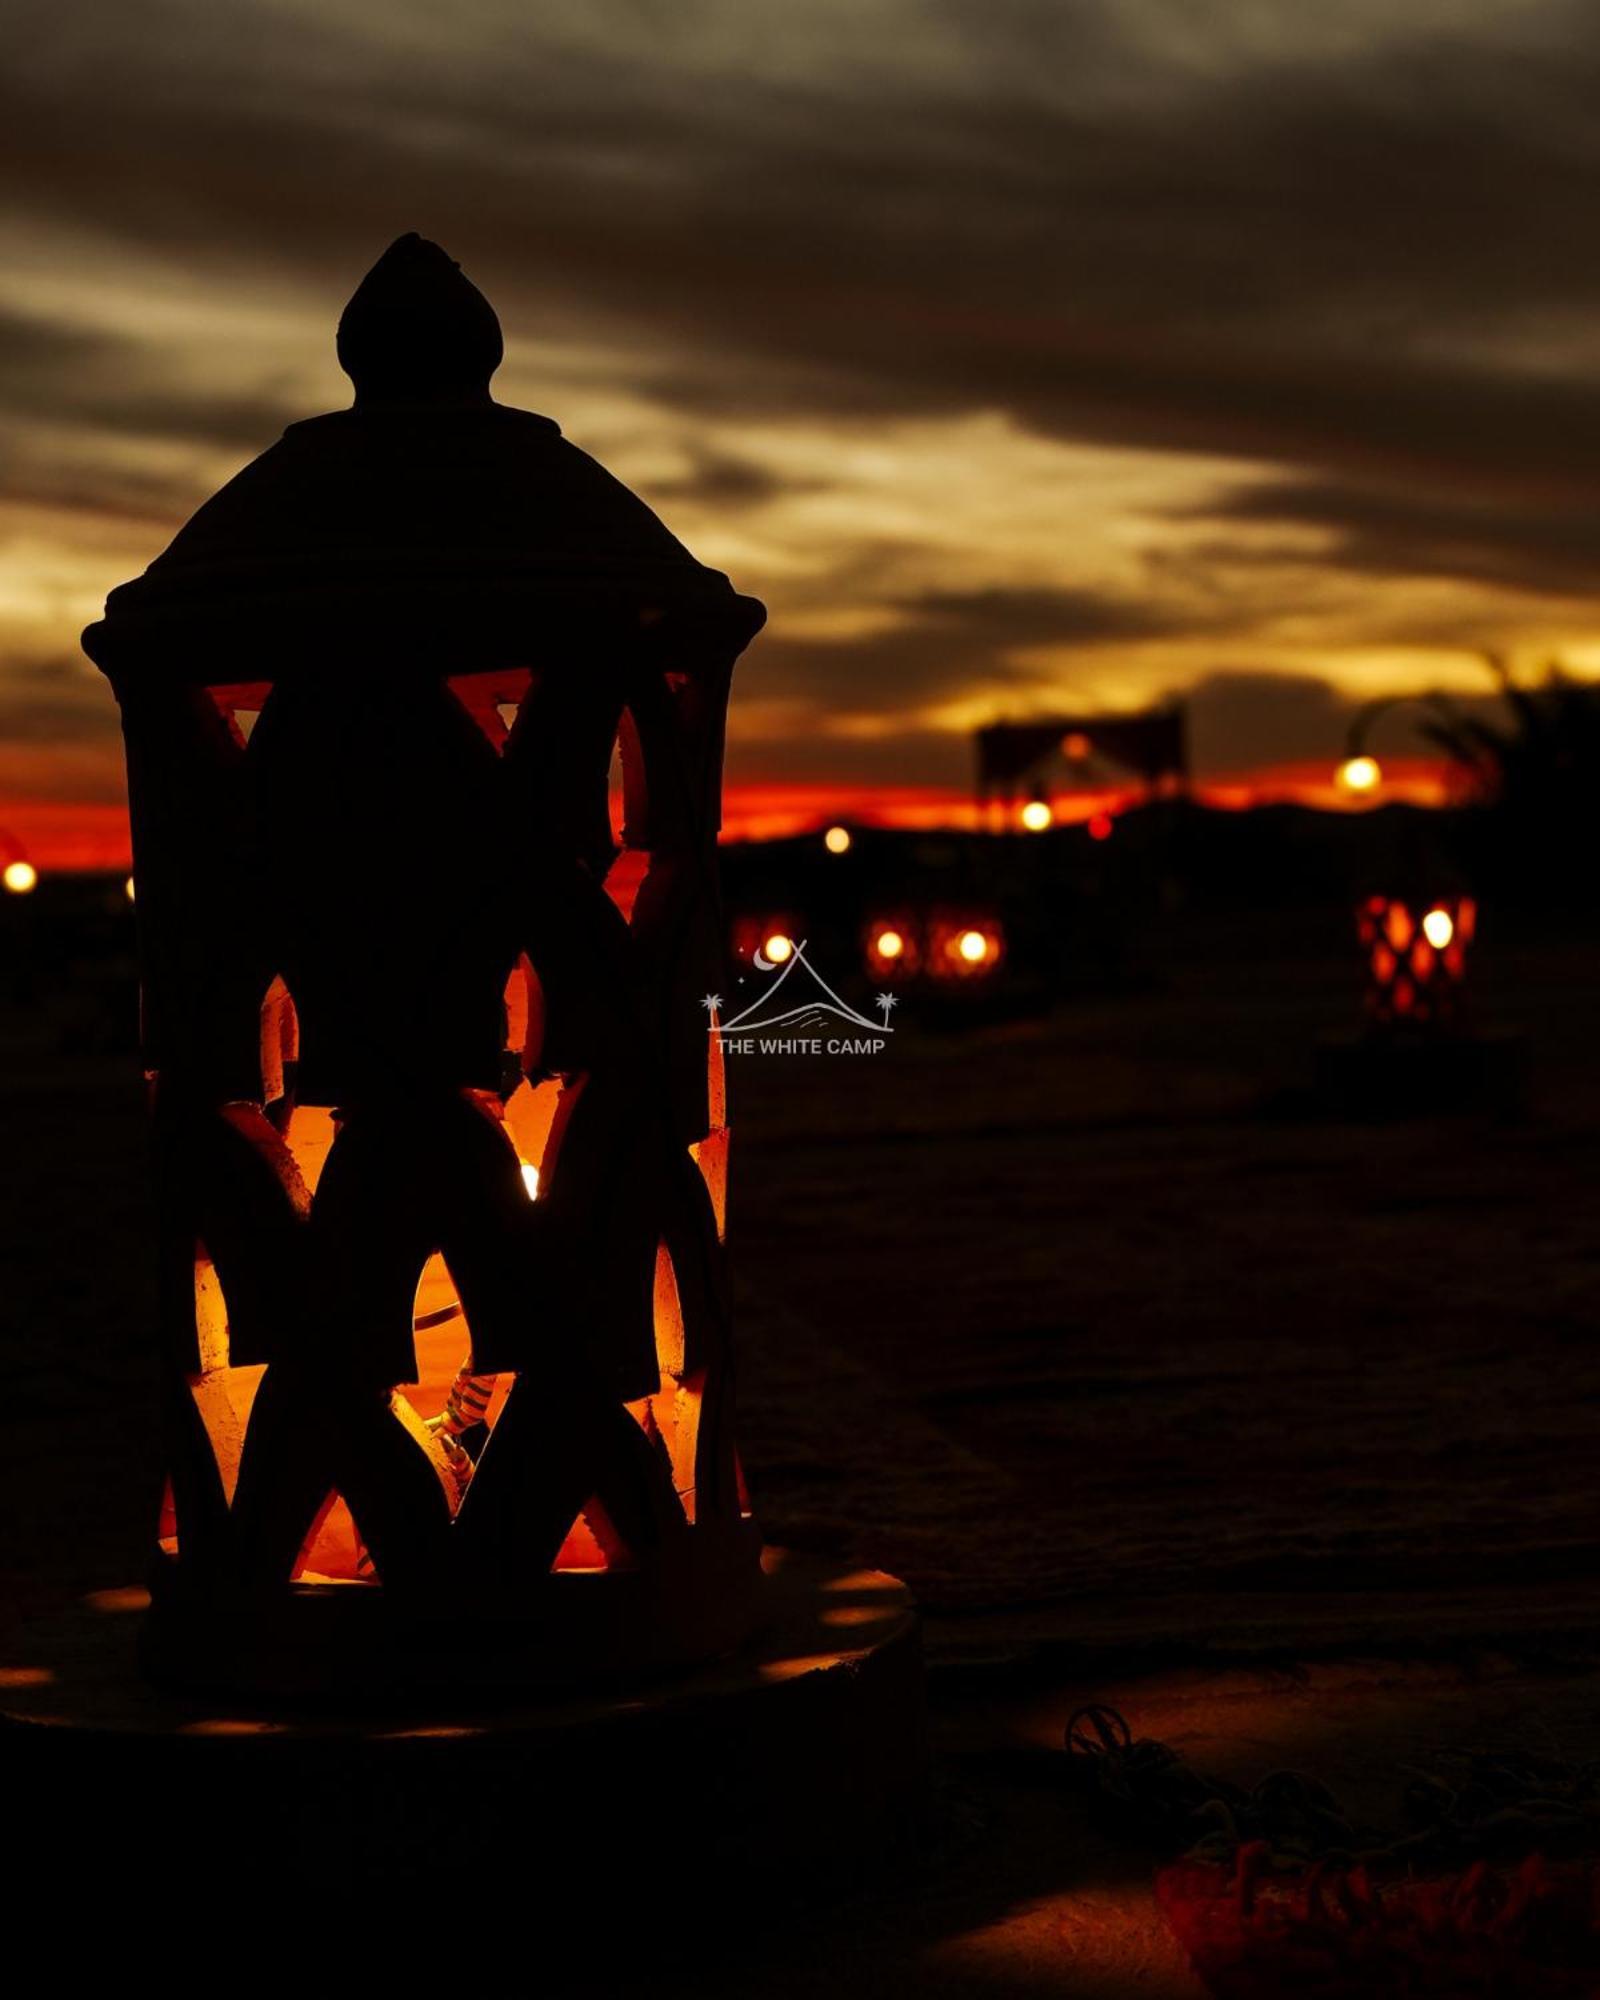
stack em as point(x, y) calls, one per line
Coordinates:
point(1409, 1076)
point(359, 1642)
point(796, 1756)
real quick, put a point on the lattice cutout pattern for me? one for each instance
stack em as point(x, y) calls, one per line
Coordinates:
point(434, 1107)
point(1416, 956)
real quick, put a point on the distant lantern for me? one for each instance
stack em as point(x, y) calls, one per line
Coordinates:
point(1416, 958)
point(1037, 816)
point(892, 945)
point(21, 878)
point(764, 939)
point(441, 1154)
point(964, 947)
point(837, 840)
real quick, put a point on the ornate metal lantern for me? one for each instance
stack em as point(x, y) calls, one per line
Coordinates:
point(441, 1152)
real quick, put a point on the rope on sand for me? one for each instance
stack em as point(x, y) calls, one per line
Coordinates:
point(1490, 1887)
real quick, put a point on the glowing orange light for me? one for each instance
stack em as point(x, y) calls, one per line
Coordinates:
point(1100, 825)
point(1360, 774)
point(1036, 816)
point(777, 949)
point(1076, 746)
point(20, 877)
point(127, 888)
point(959, 946)
point(889, 944)
point(530, 1180)
point(837, 840)
point(1415, 965)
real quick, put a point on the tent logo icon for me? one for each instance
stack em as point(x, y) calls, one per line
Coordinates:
point(798, 1012)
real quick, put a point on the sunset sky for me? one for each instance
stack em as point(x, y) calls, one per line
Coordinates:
point(1019, 353)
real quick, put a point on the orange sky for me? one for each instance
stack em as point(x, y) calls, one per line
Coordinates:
point(66, 837)
point(1022, 358)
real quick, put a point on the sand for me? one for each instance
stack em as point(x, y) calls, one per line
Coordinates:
point(1154, 1381)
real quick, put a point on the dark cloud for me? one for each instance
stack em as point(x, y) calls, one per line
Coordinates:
point(103, 382)
point(1239, 720)
point(996, 620)
point(1420, 533)
point(69, 395)
point(726, 480)
point(54, 698)
point(1243, 719)
point(943, 644)
point(1262, 255)
point(932, 757)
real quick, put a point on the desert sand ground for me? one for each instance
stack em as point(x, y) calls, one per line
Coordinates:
point(1154, 1381)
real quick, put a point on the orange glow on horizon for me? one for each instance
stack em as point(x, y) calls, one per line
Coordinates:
point(780, 811)
point(1411, 781)
point(63, 838)
point(66, 838)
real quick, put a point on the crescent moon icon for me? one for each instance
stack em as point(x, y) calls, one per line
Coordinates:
point(759, 959)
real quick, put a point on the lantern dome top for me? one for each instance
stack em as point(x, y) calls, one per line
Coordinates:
point(417, 329)
point(425, 523)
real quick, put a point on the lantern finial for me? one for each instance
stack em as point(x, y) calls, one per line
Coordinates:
point(418, 330)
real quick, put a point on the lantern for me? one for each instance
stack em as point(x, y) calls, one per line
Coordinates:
point(964, 946)
point(946, 947)
point(1416, 956)
point(764, 938)
point(439, 1132)
point(892, 946)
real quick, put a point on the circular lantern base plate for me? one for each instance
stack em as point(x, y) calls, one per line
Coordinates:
point(797, 1756)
